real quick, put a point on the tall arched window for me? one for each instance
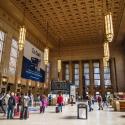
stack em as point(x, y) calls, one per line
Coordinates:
point(96, 69)
point(13, 56)
point(2, 39)
point(86, 73)
point(67, 72)
point(76, 74)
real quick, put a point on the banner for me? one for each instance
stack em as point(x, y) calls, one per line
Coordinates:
point(33, 67)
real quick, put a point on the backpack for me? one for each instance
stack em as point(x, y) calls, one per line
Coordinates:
point(99, 99)
point(11, 101)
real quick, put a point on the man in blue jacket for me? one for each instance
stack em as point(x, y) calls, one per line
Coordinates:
point(11, 104)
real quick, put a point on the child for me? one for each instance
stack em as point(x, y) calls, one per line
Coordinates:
point(43, 104)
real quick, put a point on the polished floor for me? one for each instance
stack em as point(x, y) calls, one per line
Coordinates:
point(69, 117)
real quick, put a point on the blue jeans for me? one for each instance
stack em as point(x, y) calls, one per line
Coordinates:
point(10, 112)
point(60, 107)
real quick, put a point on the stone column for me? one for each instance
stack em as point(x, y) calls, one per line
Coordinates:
point(102, 77)
point(4, 65)
point(91, 88)
point(26, 86)
point(80, 79)
point(34, 88)
point(18, 68)
point(113, 75)
point(70, 71)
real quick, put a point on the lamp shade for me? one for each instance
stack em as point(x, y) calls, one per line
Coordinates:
point(109, 27)
point(106, 50)
point(59, 65)
point(22, 36)
point(105, 61)
point(46, 56)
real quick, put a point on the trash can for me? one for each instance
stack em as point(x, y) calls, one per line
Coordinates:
point(82, 112)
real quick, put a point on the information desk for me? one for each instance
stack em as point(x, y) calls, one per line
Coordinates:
point(119, 105)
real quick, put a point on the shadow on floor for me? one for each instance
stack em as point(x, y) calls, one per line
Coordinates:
point(9, 119)
point(69, 117)
point(123, 116)
point(51, 112)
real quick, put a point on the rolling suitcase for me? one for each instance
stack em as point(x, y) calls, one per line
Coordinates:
point(57, 109)
point(16, 113)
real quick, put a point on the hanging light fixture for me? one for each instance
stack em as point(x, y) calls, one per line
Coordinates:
point(108, 23)
point(22, 36)
point(22, 32)
point(105, 62)
point(46, 55)
point(109, 27)
point(106, 54)
point(59, 60)
point(106, 50)
point(59, 65)
point(46, 50)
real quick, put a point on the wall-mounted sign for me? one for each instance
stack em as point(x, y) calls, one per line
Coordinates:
point(33, 64)
point(57, 85)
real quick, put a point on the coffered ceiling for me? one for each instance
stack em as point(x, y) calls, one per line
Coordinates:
point(74, 21)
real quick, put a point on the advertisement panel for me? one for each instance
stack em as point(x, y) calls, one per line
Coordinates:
point(73, 92)
point(33, 67)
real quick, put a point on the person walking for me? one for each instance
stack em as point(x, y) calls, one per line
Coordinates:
point(7, 96)
point(60, 102)
point(90, 103)
point(11, 104)
point(50, 100)
point(2, 96)
point(43, 103)
point(72, 99)
point(105, 103)
point(24, 106)
point(99, 99)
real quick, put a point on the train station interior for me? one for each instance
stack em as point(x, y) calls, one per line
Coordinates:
point(72, 50)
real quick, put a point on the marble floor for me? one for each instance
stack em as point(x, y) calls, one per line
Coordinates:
point(69, 117)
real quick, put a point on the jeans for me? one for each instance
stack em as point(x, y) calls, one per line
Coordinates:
point(60, 107)
point(90, 107)
point(10, 112)
point(100, 105)
point(24, 113)
point(42, 109)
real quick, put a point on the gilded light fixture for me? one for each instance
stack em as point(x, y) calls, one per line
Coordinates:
point(38, 84)
point(59, 60)
point(46, 50)
point(22, 31)
point(46, 55)
point(4, 78)
point(29, 83)
point(106, 50)
point(109, 27)
point(105, 61)
point(59, 65)
point(22, 36)
point(108, 21)
point(106, 54)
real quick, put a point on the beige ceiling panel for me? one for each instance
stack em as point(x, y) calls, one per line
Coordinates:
point(74, 21)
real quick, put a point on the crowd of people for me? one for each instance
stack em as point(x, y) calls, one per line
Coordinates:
point(102, 101)
point(12, 104)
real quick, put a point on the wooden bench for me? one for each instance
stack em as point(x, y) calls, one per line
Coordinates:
point(122, 105)
point(119, 105)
